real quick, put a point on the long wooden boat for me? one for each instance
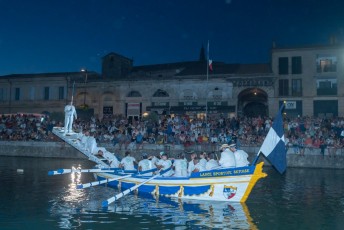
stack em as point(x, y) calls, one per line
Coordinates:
point(227, 184)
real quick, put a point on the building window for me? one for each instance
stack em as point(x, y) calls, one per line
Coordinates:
point(326, 64)
point(160, 93)
point(188, 94)
point(296, 65)
point(134, 94)
point(17, 94)
point(325, 108)
point(46, 93)
point(107, 110)
point(61, 93)
point(283, 65)
point(296, 87)
point(32, 93)
point(283, 87)
point(326, 87)
point(2, 94)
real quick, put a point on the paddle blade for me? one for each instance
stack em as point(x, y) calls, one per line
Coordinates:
point(79, 186)
point(105, 204)
point(51, 173)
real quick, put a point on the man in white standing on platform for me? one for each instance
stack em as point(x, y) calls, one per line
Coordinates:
point(70, 113)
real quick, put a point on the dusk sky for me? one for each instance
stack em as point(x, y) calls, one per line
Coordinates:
point(41, 36)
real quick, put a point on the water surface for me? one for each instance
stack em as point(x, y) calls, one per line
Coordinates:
point(299, 199)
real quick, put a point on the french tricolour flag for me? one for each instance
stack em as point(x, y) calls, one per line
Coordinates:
point(273, 146)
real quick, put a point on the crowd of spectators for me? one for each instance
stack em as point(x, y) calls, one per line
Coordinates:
point(26, 127)
point(300, 132)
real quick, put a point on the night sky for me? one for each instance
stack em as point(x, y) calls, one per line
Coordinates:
point(41, 36)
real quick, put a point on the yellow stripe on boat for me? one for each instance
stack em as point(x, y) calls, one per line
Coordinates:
point(258, 173)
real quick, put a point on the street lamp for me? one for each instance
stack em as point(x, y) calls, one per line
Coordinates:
point(84, 71)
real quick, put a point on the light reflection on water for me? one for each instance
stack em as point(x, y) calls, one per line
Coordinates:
point(82, 208)
point(150, 210)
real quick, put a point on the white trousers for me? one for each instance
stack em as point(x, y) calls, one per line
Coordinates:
point(68, 124)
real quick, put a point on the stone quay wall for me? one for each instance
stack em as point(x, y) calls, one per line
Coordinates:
point(311, 159)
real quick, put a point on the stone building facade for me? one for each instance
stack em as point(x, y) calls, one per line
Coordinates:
point(310, 79)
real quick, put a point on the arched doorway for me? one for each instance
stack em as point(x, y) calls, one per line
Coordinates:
point(252, 102)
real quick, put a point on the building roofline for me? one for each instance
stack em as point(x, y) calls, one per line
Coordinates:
point(308, 47)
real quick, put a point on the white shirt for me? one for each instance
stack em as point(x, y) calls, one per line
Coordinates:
point(145, 165)
point(154, 160)
point(83, 141)
point(202, 164)
point(128, 163)
point(92, 145)
point(114, 163)
point(211, 164)
point(191, 167)
point(70, 111)
point(241, 158)
point(180, 167)
point(165, 165)
point(227, 159)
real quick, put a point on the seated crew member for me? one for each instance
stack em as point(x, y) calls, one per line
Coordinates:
point(191, 165)
point(240, 156)
point(91, 144)
point(112, 159)
point(79, 136)
point(212, 163)
point(180, 166)
point(155, 159)
point(128, 162)
point(202, 161)
point(165, 164)
point(227, 159)
point(84, 140)
point(145, 165)
point(196, 164)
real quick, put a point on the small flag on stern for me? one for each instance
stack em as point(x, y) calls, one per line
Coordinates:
point(210, 65)
point(273, 146)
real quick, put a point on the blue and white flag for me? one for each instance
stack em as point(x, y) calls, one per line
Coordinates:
point(273, 146)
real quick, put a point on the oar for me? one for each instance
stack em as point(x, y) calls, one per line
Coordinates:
point(64, 171)
point(120, 195)
point(95, 183)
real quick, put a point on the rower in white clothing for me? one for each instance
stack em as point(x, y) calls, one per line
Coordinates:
point(227, 159)
point(145, 165)
point(240, 156)
point(212, 163)
point(180, 166)
point(164, 163)
point(128, 162)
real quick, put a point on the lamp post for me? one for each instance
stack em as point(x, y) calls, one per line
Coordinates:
point(84, 71)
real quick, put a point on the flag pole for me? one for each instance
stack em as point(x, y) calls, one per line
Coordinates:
point(73, 92)
point(206, 88)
